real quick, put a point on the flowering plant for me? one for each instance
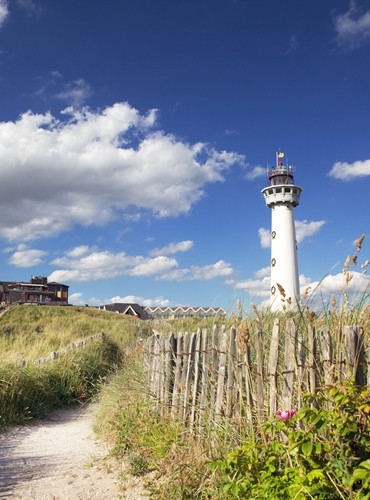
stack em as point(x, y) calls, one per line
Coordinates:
point(286, 414)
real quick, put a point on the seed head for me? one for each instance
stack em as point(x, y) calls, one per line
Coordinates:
point(359, 242)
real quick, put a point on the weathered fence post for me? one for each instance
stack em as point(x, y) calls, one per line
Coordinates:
point(311, 341)
point(221, 372)
point(177, 377)
point(205, 378)
point(273, 361)
point(169, 347)
point(198, 343)
point(327, 354)
point(354, 353)
point(230, 372)
point(259, 374)
point(186, 372)
point(301, 364)
point(289, 364)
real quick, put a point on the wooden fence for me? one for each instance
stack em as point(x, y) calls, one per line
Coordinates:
point(79, 344)
point(241, 374)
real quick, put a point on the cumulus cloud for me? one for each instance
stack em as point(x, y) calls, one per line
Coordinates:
point(172, 248)
point(4, 12)
point(348, 171)
point(208, 272)
point(255, 172)
point(352, 28)
point(26, 257)
point(255, 287)
point(265, 237)
point(304, 229)
point(320, 292)
point(78, 299)
point(91, 166)
point(83, 264)
point(134, 299)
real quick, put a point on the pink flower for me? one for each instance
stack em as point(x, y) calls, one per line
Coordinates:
point(286, 414)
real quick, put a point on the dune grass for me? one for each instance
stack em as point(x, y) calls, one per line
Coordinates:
point(28, 333)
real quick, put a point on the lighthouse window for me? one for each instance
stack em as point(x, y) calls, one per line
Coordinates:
point(287, 190)
point(273, 262)
point(270, 191)
point(273, 235)
point(273, 290)
point(278, 190)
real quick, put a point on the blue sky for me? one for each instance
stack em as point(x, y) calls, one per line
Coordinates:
point(135, 136)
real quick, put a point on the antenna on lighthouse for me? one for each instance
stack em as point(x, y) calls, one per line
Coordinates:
point(282, 196)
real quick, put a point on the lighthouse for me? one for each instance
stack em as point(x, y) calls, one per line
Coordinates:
point(282, 196)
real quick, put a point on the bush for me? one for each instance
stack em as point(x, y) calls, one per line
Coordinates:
point(322, 452)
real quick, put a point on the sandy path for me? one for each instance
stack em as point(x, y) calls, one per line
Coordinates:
point(58, 459)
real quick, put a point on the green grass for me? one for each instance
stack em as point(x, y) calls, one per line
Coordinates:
point(28, 333)
point(33, 332)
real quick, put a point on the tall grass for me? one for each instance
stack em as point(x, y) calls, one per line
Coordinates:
point(32, 332)
point(31, 391)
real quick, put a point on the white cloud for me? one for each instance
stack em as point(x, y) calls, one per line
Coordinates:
point(263, 272)
point(4, 12)
point(152, 267)
point(255, 287)
point(304, 229)
point(78, 299)
point(172, 248)
point(86, 170)
point(207, 272)
point(265, 237)
point(352, 29)
point(26, 257)
point(89, 264)
point(134, 299)
point(348, 171)
point(320, 292)
point(256, 172)
point(75, 93)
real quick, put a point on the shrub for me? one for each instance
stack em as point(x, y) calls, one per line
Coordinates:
point(322, 452)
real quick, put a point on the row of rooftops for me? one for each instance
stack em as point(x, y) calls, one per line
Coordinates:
point(138, 311)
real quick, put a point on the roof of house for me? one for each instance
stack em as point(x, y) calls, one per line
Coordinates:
point(130, 309)
point(186, 309)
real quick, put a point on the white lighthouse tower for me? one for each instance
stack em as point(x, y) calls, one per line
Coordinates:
point(282, 195)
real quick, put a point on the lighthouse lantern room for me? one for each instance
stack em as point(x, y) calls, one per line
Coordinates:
point(282, 196)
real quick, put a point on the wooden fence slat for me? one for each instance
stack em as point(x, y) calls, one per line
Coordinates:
point(186, 373)
point(353, 343)
point(205, 378)
point(221, 372)
point(214, 367)
point(198, 343)
point(327, 355)
point(259, 373)
point(231, 354)
point(311, 341)
point(169, 347)
point(289, 364)
point(273, 361)
point(301, 363)
point(249, 383)
point(177, 376)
